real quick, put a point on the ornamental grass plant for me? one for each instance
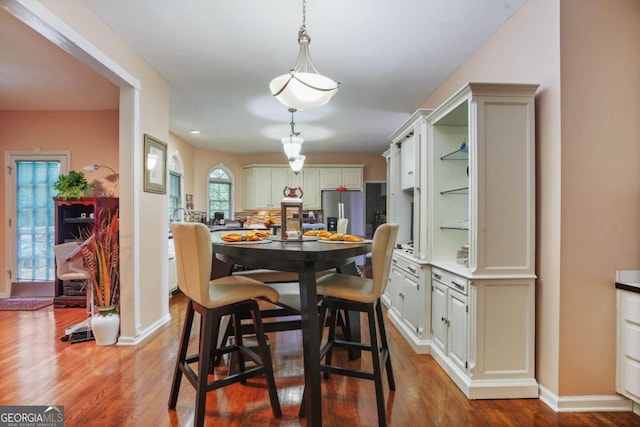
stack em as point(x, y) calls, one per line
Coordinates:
point(100, 250)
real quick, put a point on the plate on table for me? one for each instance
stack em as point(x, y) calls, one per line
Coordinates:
point(344, 241)
point(219, 239)
point(304, 239)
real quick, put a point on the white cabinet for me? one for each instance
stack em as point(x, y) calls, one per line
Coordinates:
point(473, 216)
point(480, 179)
point(628, 337)
point(405, 297)
point(264, 186)
point(407, 200)
point(408, 162)
point(173, 276)
point(311, 187)
point(348, 177)
point(480, 184)
point(450, 317)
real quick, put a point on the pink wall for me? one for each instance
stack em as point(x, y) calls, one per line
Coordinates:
point(600, 183)
point(90, 136)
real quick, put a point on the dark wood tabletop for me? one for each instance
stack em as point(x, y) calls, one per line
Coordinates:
point(305, 258)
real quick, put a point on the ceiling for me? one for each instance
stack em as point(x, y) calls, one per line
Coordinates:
point(219, 57)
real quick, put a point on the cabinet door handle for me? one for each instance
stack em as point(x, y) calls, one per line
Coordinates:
point(393, 260)
point(410, 173)
point(457, 285)
point(413, 270)
point(437, 276)
point(401, 295)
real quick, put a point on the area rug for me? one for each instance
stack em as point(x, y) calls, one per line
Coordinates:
point(24, 304)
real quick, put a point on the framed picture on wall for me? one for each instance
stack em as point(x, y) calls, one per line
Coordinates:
point(155, 165)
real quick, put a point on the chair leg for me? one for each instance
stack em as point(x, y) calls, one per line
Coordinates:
point(237, 358)
point(385, 345)
point(182, 354)
point(265, 355)
point(203, 366)
point(332, 336)
point(377, 368)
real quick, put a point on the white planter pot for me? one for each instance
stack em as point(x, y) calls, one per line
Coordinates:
point(105, 325)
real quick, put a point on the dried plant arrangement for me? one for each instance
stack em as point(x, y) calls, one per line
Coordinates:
point(100, 250)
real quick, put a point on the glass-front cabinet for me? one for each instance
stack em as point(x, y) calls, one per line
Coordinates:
point(472, 223)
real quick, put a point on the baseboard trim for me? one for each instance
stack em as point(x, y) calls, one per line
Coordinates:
point(419, 346)
point(591, 403)
point(130, 341)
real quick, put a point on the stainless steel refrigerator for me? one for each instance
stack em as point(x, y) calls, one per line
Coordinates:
point(353, 203)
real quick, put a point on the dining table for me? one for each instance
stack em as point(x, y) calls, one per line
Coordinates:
point(305, 257)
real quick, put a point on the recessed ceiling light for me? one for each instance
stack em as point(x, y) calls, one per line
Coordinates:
point(195, 132)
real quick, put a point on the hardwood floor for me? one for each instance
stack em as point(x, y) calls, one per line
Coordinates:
point(129, 386)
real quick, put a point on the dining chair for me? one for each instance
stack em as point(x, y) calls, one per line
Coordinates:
point(355, 293)
point(70, 267)
point(213, 299)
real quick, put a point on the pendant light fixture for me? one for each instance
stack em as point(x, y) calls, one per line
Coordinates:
point(297, 163)
point(292, 144)
point(303, 87)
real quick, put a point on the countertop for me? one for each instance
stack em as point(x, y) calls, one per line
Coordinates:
point(628, 280)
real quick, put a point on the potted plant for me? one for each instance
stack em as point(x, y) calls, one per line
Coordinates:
point(101, 251)
point(72, 185)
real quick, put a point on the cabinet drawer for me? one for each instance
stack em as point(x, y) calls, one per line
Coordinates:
point(406, 266)
point(631, 308)
point(451, 280)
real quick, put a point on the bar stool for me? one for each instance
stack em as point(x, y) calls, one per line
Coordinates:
point(213, 299)
point(355, 293)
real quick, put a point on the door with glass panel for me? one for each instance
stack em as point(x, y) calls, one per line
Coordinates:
point(30, 228)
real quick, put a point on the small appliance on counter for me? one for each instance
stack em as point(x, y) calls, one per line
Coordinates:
point(332, 223)
point(218, 218)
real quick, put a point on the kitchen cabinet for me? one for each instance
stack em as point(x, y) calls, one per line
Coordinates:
point(172, 272)
point(481, 180)
point(472, 210)
point(628, 342)
point(347, 177)
point(406, 201)
point(408, 162)
point(264, 186)
point(76, 219)
point(450, 317)
point(312, 198)
point(481, 208)
point(404, 296)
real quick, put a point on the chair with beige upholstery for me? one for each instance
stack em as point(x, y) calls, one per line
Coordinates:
point(355, 293)
point(70, 266)
point(213, 299)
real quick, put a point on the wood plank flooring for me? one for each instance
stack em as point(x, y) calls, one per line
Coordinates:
point(129, 386)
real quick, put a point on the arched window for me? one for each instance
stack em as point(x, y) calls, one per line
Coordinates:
point(220, 192)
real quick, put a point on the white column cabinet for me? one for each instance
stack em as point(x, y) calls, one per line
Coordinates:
point(473, 204)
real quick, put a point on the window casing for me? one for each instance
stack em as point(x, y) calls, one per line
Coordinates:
point(220, 188)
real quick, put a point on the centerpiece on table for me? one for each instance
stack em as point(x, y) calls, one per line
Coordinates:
point(100, 251)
